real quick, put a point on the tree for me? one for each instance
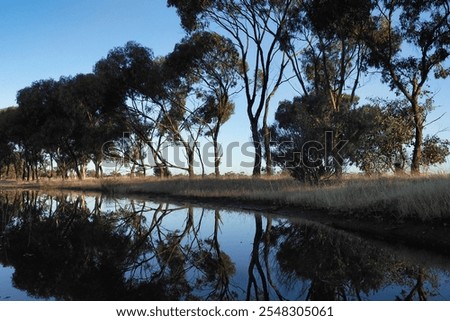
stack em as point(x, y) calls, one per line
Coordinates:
point(381, 133)
point(171, 100)
point(36, 105)
point(215, 65)
point(435, 151)
point(332, 59)
point(135, 79)
point(327, 59)
point(303, 131)
point(65, 121)
point(257, 29)
point(154, 92)
point(408, 41)
point(8, 155)
point(83, 100)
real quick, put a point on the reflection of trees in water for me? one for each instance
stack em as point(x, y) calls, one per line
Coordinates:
point(261, 284)
point(72, 248)
point(215, 265)
point(336, 266)
point(417, 282)
point(343, 268)
point(61, 248)
point(318, 263)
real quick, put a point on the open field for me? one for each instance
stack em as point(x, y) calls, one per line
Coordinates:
point(422, 199)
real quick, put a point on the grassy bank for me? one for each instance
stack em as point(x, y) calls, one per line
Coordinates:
point(421, 199)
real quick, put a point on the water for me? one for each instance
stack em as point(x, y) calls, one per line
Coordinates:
point(71, 247)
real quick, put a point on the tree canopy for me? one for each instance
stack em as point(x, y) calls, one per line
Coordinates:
point(135, 107)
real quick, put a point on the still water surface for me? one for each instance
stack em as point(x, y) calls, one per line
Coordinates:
point(71, 247)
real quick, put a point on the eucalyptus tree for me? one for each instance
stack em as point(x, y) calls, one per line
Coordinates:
point(435, 151)
point(327, 56)
point(305, 139)
point(36, 104)
point(134, 77)
point(65, 121)
point(382, 132)
point(409, 43)
point(45, 127)
point(167, 99)
point(90, 121)
point(180, 121)
point(154, 93)
point(8, 155)
point(258, 29)
point(214, 66)
point(328, 60)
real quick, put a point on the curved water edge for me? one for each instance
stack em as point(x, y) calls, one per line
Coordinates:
point(92, 247)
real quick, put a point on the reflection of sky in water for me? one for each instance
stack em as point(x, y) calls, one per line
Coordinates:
point(236, 237)
point(442, 293)
point(7, 291)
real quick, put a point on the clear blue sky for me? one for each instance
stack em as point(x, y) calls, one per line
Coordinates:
point(41, 39)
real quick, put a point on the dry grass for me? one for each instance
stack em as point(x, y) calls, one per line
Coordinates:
point(423, 198)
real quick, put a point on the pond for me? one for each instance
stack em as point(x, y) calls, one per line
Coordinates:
point(92, 247)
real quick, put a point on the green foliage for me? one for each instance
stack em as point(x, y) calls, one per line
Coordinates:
point(381, 133)
point(423, 27)
point(302, 144)
point(435, 150)
point(214, 65)
point(261, 33)
point(66, 121)
point(189, 11)
point(339, 18)
point(8, 157)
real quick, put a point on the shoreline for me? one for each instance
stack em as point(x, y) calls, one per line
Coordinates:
point(432, 235)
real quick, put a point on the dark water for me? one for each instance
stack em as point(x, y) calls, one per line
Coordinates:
point(96, 248)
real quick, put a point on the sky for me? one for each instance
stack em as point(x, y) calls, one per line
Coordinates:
point(41, 39)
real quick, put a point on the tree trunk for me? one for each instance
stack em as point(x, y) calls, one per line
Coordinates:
point(216, 151)
point(98, 169)
point(216, 158)
point(77, 171)
point(83, 171)
point(190, 154)
point(417, 152)
point(51, 167)
point(26, 173)
point(16, 169)
point(338, 160)
point(418, 136)
point(269, 163)
point(132, 170)
point(257, 146)
point(338, 172)
point(36, 170)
